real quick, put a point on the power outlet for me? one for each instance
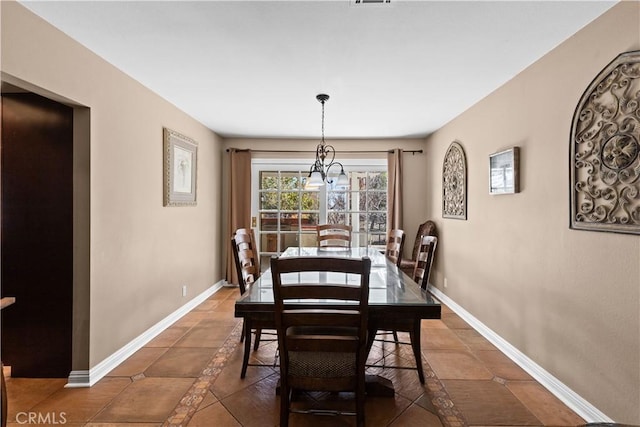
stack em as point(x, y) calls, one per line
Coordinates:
point(184, 290)
point(446, 285)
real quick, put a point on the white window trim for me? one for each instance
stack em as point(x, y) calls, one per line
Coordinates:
point(261, 164)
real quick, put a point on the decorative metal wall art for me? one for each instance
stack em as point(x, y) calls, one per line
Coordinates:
point(605, 150)
point(454, 183)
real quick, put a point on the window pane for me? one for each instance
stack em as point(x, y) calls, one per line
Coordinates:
point(290, 180)
point(288, 221)
point(308, 239)
point(336, 218)
point(268, 200)
point(376, 201)
point(357, 180)
point(337, 201)
point(269, 242)
point(289, 200)
point(309, 221)
point(289, 240)
point(310, 201)
point(269, 180)
point(377, 239)
point(377, 180)
point(377, 222)
point(268, 221)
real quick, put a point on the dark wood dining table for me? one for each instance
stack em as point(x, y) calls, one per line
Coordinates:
point(392, 294)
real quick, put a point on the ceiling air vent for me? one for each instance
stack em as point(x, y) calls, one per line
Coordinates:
point(364, 2)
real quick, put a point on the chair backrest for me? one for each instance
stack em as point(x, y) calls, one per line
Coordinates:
point(427, 228)
point(246, 260)
point(320, 334)
point(395, 245)
point(424, 260)
point(254, 244)
point(333, 235)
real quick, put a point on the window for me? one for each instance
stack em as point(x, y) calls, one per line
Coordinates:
point(287, 213)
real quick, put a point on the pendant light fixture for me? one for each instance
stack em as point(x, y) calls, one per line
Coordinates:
point(325, 160)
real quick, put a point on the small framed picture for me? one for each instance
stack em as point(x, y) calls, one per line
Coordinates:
point(180, 169)
point(503, 172)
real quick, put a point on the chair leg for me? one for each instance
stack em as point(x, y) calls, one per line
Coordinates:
point(247, 347)
point(415, 344)
point(360, 399)
point(242, 333)
point(285, 396)
point(256, 343)
point(395, 336)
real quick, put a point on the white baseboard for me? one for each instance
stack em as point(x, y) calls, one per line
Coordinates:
point(88, 378)
point(580, 406)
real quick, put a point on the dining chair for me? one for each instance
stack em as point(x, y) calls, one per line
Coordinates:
point(246, 260)
point(427, 228)
point(321, 349)
point(393, 252)
point(333, 235)
point(422, 271)
point(254, 246)
point(424, 261)
point(395, 246)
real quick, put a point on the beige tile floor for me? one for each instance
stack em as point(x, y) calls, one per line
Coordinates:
point(189, 375)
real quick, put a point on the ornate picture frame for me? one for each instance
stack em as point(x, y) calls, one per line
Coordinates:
point(504, 174)
point(605, 150)
point(454, 183)
point(180, 169)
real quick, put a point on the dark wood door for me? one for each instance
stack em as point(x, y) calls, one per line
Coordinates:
point(37, 235)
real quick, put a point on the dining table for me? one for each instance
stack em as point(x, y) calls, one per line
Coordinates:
point(392, 293)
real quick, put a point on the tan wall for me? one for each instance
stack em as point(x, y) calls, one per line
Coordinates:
point(413, 165)
point(570, 300)
point(141, 253)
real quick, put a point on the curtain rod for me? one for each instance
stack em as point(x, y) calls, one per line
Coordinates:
point(313, 151)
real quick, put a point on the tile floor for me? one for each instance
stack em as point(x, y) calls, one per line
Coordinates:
point(189, 375)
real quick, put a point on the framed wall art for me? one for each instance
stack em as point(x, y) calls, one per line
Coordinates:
point(504, 174)
point(454, 183)
point(605, 150)
point(180, 169)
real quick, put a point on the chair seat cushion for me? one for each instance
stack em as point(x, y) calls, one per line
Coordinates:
point(322, 364)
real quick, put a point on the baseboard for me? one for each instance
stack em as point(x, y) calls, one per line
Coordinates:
point(580, 406)
point(88, 378)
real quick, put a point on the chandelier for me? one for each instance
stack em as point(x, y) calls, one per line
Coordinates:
point(325, 160)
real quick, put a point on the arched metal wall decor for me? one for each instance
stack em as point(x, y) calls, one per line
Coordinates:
point(605, 150)
point(454, 183)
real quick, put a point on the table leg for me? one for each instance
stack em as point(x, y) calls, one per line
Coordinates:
point(415, 344)
point(247, 346)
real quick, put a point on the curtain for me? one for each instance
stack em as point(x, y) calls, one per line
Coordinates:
point(394, 190)
point(239, 202)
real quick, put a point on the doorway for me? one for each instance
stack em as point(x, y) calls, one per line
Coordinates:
point(37, 235)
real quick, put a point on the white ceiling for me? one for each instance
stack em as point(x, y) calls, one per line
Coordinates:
point(253, 69)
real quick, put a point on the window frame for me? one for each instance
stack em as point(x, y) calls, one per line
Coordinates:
point(301, 165)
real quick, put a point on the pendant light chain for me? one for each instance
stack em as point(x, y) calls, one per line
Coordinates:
point(322, 122)
point(319, 170)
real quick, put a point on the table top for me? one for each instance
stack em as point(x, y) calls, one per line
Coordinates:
point(389, 287)
point(6, 302)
